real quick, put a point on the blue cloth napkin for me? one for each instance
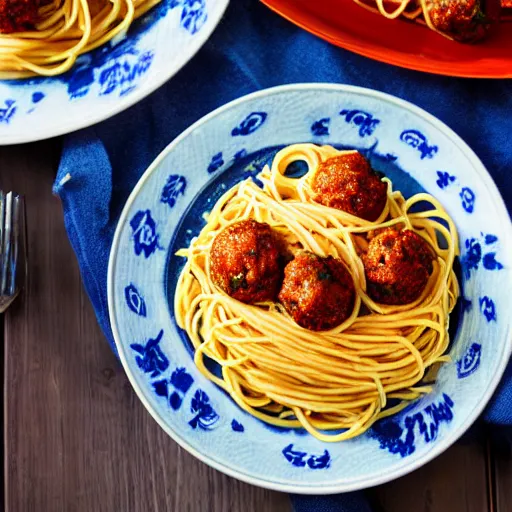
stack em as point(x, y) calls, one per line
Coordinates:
point(252, 49)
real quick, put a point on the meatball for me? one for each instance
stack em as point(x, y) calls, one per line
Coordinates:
point(397, 266)
point(347, 182)
point(464, 20)
point(17, 15)
point(317, 292)
point(245, 262)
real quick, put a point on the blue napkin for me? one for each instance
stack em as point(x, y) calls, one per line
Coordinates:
point(252, 49)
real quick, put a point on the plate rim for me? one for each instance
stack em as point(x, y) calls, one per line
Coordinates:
point(79, 123)
point(403, 469)
point(373, 54)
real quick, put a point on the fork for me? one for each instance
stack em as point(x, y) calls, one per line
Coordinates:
point(13, 256)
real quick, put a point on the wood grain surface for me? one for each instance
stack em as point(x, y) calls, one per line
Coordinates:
point(76, 438)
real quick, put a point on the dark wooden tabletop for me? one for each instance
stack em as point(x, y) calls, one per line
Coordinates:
point(76, 438)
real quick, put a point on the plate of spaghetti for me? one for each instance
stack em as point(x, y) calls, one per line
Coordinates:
point(306, 288)
point(468, 38)
point(67, 64)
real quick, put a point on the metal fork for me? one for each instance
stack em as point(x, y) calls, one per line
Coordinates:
point(13, 248)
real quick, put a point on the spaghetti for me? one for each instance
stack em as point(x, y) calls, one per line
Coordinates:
point(341, 379)
point(66, 29)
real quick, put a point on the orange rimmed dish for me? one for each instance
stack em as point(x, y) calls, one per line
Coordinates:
point(399, 42)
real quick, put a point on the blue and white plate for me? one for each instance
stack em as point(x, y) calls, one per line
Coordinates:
point(110, 79)
point(165, 211)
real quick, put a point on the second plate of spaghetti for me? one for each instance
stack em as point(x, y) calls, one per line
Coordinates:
point(67, 64)
point(304, 288)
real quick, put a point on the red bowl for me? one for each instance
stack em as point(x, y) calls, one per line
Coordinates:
point(399, 42)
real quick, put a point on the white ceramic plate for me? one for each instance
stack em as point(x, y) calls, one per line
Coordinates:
point(164, 211)
point(110, 79)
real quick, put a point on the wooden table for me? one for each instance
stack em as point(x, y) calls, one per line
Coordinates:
point(77, 439)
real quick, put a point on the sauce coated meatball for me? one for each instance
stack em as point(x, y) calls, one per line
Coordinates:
point(17, 15)
point(397, 266)
point(347, 182)
point(317, 292)
point(245, 262)
point(464, 20)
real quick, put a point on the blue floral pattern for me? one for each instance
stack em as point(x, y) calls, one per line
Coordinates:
point(320, 128)
point(467, 197)
point(181, 381)
point(364, 120)
point(470, 362)
point(122, 73)
point(417, 140)
point(150, 358)
point(216, 163)
point(489, 259)
point(444, 179)
point(113, 67)
point(295, 457)
point(7, 111)
point(161, 388)
point(145, 236)
point(320, 461)
point(300, 459)
point(475, 255)
point(174, 187)
point(37, 96)
point(175, 400)
point(488, 308)
point(134, 300)
point(490, 262)
point(205, 416)
point(236, 426)
point(402, 440)
point(193, 15)
point(250, 124)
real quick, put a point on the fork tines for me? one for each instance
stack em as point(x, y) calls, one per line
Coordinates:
point(11, 211)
